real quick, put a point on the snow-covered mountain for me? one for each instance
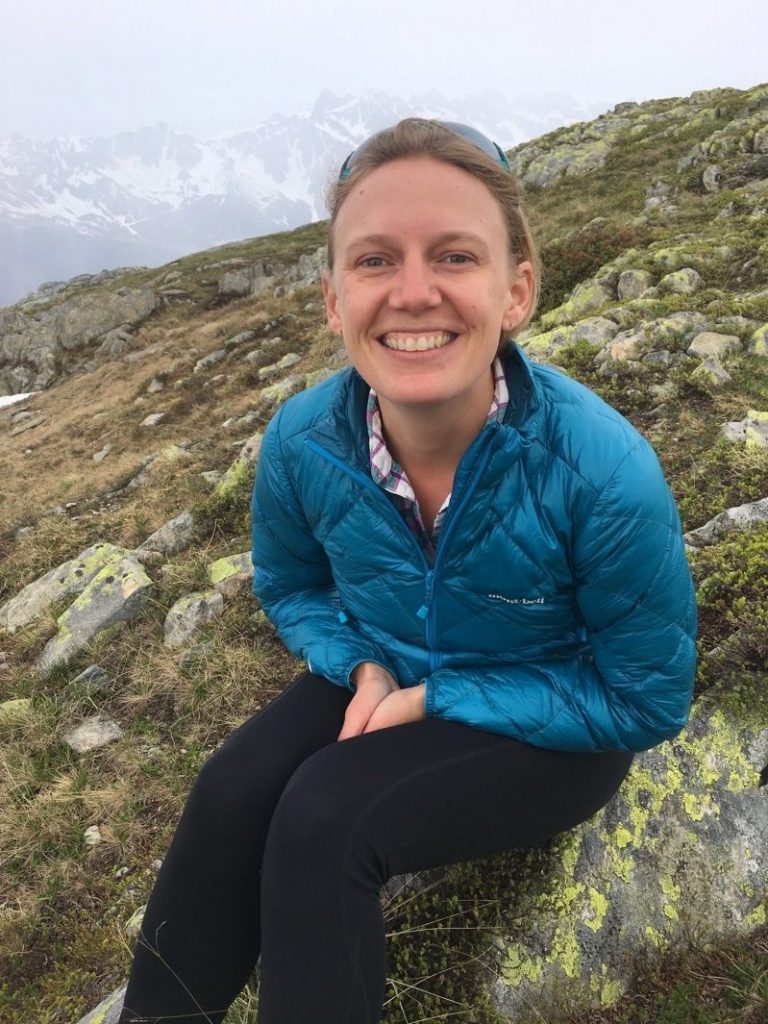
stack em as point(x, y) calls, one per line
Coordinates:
point(74, 205)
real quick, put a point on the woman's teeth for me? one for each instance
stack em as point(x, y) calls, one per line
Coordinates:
point(417, 342)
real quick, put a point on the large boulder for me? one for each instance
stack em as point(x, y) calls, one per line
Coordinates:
point(118, 593)
point(680, 852)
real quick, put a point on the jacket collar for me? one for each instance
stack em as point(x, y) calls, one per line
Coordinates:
point(343, 430)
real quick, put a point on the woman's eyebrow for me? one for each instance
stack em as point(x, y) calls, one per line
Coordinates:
point(444, 238)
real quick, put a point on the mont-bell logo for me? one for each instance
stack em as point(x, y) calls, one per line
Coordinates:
point(516, 600)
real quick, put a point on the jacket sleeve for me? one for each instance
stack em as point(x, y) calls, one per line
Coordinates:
point(633, 687)
point(292, 575)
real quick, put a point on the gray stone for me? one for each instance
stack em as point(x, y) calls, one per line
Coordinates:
point(633, 283)
point(741, 517)
point(231, 574)
point(214, 381)
point(711, 373)
point(92, 836)
point(154, 386)
point(708, 343)
point(153, 420)
point(289, 360)
point(239, 339)
point(189, 614)
point(682, 282)
point(16, 710)
point(758, 342)
point(118, 593)
point(284, 389)
point(95, 733)
point(94, 678)
point(681, 850)
point(108, 1010)
point(66, 580)
point(100, 456)
point(712, 178)
point(752, 431)
point(172, 537)
point(210, 360)
point(28, 424)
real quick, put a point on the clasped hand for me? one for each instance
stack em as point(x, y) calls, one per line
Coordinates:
point(379, 702)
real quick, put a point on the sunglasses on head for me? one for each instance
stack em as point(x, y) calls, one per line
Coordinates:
point(480, 141)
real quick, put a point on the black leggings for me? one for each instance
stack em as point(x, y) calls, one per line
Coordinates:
point(288, 835)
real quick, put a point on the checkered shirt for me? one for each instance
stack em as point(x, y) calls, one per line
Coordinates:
point(389, 475)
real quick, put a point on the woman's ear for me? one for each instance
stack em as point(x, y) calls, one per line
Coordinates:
point(520, 296)
point(331, 301)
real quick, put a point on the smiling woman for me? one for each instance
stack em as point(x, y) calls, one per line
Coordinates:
point(481, 564)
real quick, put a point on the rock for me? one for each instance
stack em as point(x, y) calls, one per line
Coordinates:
point(681, 850)
point(174, 536)
point(132, 926)
point(710, 344)
point(752, 431)
point(230, 574)
point(15, 711)
point(626, 346)
point(589, 297)
point(189, 614)
point(108, 1010)
point(118, 593)
point(758, 342)
point(284, 389)
point(289, 360)
point(153, 420)
point(37, 346)
point(95, 733)
point(156, 464)
point(712, 178)
point(94, 679)
point(239, 339)
point(92, 836)
point(682, 282)
point(212, 476)
point(241, 467)
point(632, 284)
point(100, 456)
point(711, 373)
point(29, 424)
point(154, 386)
point(741, 517)
point(67, 580)
point(210, 360)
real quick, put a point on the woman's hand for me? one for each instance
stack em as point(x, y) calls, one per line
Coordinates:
point(373, 684)
point(404, 705)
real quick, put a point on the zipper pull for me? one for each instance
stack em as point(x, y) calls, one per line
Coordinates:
point(430, 583)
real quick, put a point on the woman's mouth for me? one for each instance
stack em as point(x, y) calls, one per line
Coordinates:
point(403, 341)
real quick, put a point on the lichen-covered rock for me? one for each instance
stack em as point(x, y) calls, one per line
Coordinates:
point(108, 1010)
point(67, 580)
point(241, 467)
point(752, 431)
point(189, 614)
point(153, 420)
point(172, 537)
point(596, 330)
point(741, 517)
point(633, 283)
point(708, 343)
point(92, 734)
point(230, 574)
point(758, 342)
point(711, 373)
point(627, 346)
point(682, 282)
point(118, 593)
point(284, 389)
point(681, 850)
point(589, 297)
point(14, 711)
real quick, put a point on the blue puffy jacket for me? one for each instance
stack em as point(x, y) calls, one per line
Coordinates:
point(559, 610)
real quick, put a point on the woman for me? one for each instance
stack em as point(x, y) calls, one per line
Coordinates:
point(482, 566)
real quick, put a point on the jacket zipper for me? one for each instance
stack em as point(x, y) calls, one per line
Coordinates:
point(428, 610)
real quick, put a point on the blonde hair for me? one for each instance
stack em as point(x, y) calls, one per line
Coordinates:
point(416, 136)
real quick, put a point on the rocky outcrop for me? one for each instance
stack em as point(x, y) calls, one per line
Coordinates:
point(38, 346)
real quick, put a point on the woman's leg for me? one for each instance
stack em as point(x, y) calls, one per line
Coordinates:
point(200, 937)
point(402, 799)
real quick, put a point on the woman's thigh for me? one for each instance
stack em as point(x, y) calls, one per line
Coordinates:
point(434, 792)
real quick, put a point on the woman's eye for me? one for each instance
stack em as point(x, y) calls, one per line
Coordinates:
point(458, 258)
point(371, 261)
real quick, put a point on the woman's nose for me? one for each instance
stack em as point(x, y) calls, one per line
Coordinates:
point(415, 286)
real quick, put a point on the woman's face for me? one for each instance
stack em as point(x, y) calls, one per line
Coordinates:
point(423, 285)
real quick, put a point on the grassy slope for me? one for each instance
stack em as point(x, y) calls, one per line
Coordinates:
point(64, 905)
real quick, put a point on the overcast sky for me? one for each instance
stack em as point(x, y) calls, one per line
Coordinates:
point(96, 67)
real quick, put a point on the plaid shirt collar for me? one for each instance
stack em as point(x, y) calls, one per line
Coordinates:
point(389, 475)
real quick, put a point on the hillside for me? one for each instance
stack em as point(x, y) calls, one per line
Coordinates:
point(653, 227)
